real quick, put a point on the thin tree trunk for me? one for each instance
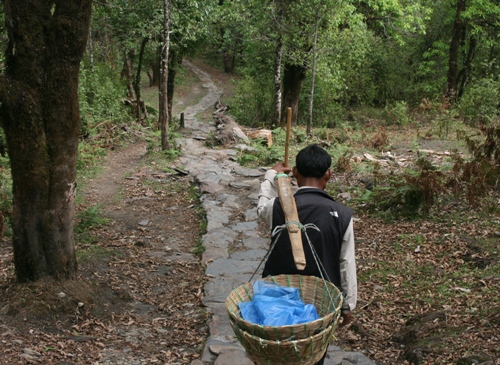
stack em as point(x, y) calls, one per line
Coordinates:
point(277, 70)
point(91, 49)
point(175, 59)
point(458, 31)
point(40, 115)
point(164, 79)
point(137, 83)
point(127, 73)
point(313, 75)
point(464, 75)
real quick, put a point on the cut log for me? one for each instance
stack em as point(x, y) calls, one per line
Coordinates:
point(265, 134)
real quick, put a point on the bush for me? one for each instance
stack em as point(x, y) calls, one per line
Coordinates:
point(252, 102)
point(398, 113)
point(410, 194)
point(100, 94)
point(480, 103)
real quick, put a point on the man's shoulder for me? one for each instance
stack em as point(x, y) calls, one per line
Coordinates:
point(317, 196)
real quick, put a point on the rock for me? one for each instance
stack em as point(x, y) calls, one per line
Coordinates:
point(344, 196)
point(476, 359)
point(31, 352)
point(240, 134)
point(248, 172)
point(210, 187)
point(233, 357)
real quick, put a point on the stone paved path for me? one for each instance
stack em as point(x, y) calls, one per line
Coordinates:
point(233, 241)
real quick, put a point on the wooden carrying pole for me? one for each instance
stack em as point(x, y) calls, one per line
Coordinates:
point(289, 208)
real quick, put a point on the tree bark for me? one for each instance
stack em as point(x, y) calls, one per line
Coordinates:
point(141, 108)
point(40, 115)
point(466, 72)
point(313, 76)
point(163, 118)
point(127, 73)
point(293, 78)
point(277, 68)
point(458, 31)
point(175, 59)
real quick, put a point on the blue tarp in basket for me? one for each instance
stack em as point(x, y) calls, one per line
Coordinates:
point(276, 305)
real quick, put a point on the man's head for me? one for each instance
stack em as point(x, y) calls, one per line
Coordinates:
point(312, 166)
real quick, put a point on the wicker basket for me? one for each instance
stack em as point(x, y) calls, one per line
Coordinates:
point(306, 351)
point(322, 294)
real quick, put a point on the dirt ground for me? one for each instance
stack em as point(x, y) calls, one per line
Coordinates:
point(138, 297)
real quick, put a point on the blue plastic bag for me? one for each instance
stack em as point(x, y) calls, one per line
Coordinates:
point(276, 305)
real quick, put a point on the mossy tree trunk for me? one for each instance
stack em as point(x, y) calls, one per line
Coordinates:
point(40, 115)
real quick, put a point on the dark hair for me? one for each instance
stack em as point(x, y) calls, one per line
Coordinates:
point(313, 161)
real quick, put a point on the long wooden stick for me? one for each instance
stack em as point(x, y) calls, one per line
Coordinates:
point(289, 208)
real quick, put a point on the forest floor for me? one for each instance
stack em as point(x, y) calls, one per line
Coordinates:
point(138, 296)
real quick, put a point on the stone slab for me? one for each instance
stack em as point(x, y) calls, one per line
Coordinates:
point(233, 357)
point(229, 267)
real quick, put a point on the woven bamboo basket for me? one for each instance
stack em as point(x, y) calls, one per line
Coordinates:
point(306, 351)
point(325, 296)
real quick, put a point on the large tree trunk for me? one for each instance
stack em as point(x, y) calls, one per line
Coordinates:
point(293, 78)
point(40, 115)
point(458, 31)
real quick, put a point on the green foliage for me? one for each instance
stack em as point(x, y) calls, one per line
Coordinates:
point(406, 195)
point(262, 156)
point(100, 94)
point(430, 74)
point(479, 105)
point(90, 218)
point(398, 113)
point(443, 123)
point(252, 102)
point(5, 191)
point(88, 156)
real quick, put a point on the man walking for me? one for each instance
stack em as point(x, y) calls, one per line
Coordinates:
point(333, 243)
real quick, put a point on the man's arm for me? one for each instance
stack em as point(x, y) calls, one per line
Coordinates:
point(268, 192)
point(348, 278)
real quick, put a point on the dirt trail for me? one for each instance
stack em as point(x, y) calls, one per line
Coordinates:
point(138, 299)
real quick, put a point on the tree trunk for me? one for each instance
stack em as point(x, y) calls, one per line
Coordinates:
point(155, 76)
point(466, 72)
point(175, 59)
point(313, 77)
point(127, 73)
point(458, 31)
point(163, 118)
point(137, 84)
point(277, 70)
point(40, 115)
point(293, 79)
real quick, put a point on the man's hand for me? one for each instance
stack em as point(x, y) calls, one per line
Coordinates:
point(346, 318)
point(280, 168)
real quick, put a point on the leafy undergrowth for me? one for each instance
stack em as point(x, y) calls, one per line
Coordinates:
point(429, 290)
point(138, 295)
